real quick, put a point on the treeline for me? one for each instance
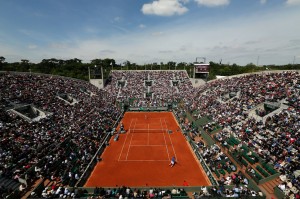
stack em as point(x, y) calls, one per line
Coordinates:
point(76, 69)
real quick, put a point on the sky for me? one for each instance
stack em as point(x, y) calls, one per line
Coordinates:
point(262, 32)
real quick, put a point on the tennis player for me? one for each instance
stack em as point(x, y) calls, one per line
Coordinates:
point(173, 161)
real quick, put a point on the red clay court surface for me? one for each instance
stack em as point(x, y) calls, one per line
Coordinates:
point(142, 155)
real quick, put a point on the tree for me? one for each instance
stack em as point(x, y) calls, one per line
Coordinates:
point(107, 65)
point(134, 66)
point(24, 61)
point(154, 66)
point(24, 66)
point(96, 61)
point(127, 64)
point(161, 65)
point(171, 65)
point(48, 66)
point(181, 65)
point(72, 61)
point(2, 59)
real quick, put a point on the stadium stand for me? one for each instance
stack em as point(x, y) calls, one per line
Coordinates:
point(148, 88)
point(273, 138)
point(60, 146)
point(252, 121)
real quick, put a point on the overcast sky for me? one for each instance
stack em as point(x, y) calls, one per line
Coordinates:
point(147, 31)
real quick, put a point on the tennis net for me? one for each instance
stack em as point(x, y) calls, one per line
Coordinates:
point(148, 130)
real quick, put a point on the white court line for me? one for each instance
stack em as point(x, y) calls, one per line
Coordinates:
point(176, 120)
point(161, 124)
point(146, 130)
point(166, 145)
point(125, 140)
point(130, 145)
point(151, 121)
point(148, 135)
point(150, 145)
point(171, 143)
point(144, 160)
point(130, 142)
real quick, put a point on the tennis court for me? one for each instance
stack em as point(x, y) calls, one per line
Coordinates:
point(142, 155)
point(147, 139)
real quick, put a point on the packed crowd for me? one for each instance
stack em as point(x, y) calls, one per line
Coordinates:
point(238, 191)
point(227, 101)
point(253, 89)
point(117, 192)
point(164, 87)
point(60, 146)
point(217, 160)
point(277, 139)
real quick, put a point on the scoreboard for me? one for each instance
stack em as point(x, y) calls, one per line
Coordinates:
point(201, 68)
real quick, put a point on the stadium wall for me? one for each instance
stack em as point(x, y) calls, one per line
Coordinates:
point(97, 82)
